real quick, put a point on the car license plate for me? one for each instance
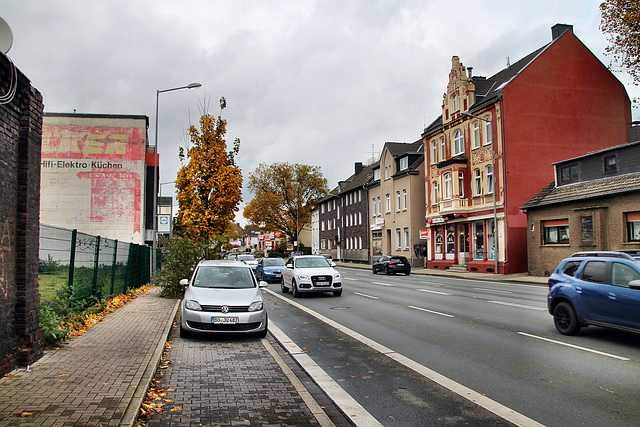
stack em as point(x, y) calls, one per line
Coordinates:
point(322, 283)
point(224, 320)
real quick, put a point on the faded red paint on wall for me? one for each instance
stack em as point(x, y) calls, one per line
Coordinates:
point(92, 142)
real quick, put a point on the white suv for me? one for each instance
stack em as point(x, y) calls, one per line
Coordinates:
point(310, 273)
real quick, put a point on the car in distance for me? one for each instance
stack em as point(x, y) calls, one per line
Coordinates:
point(310, 273)
point(599, 290)
point(248, 259)
point(270, 269)
point(223, 297)
point(391, 264)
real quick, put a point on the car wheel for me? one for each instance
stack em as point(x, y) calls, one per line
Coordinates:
point(263, 334)
point(183, 332)
point(386, 270)
point(283, 288)
point(406, 273)
point(565, 319)
point(337, 293)
point(373, 270)
point(294, 289)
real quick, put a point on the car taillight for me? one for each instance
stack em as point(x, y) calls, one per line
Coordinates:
point(392, 262)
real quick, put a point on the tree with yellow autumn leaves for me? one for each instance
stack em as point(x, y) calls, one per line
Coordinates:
point(620, 21)
point(284, 195)
point(209, 185)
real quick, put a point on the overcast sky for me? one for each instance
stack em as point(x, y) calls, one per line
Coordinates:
point(325, 83)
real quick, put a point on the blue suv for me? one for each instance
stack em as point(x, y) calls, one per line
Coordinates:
point(595, 288)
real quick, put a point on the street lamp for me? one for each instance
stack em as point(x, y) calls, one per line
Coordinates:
point(495, 192)
point(155, 178)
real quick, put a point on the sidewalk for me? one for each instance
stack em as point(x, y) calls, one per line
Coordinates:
point(97, 379)
point(514, 278)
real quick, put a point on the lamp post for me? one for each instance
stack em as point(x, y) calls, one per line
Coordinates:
point(155, 178)
point(495, 192)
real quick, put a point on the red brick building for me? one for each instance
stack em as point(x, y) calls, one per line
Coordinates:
point(500, 135)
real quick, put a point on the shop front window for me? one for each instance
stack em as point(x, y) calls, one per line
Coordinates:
point(491, 240)
point(376, 243)
point(439, 243)
point(451, 242)
point(478, 240)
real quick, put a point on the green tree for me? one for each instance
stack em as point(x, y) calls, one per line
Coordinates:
point(209, 185)
point(284, 195)
point(620, 22)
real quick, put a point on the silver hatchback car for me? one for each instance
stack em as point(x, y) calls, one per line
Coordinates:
point(223, 297)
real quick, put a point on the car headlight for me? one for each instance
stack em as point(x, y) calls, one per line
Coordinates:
point(303, 277)
point(192, 305)
point(256, 306)
point(336, 275)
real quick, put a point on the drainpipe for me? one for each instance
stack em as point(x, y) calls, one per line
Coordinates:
point(504, 174)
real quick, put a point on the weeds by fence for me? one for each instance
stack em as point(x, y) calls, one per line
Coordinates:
point(81, 266)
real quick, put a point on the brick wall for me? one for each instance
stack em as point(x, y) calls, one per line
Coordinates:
point(21, 340)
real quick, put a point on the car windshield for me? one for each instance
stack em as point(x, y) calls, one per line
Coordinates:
point(246, 258)
point(224, 277)
point(273, 262)
point(399, 259)
point(318, 262)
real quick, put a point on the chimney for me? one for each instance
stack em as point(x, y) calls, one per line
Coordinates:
point(470, 70)
point(358, 167)
point(559, 29)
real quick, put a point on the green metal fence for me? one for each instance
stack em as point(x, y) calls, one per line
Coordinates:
point(87, 265)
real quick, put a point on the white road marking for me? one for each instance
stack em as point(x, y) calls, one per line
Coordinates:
point(511, 304)
point(574, 346)
point(384, 284)
point(495, 291)
point(469, 394)
point(351, 408)
point(431, 311)
point(365, 295)
point(434, 292)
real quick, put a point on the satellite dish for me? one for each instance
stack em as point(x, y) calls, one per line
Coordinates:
point(6, 37)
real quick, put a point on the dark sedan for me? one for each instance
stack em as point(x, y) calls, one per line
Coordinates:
point(392, 264)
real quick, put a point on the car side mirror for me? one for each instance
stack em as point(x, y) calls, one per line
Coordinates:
point(634, 284)
point(184, 282)
point(333, 264)
point(289, 265)
point(263, 284)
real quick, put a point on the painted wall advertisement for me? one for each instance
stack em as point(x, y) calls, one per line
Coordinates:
point(93, 174)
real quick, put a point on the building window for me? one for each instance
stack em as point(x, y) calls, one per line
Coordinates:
point(388, 198)
point(556, 232)
point(323, 244)
point(322, 208)
point(359, 218)
point(489, 179)
point(478, 182)
point(439, 241)
point(443, 148)
point(488, 131)
point(398, 241)
point(376, 174)
point(404, 163)
point(406, 237)
point(404, 199)
point(454, 103)
point(447, 186)
point(491, 240)
point(434, 152)
point(398, 201)
point(633, 226)
point(458, 142)
point(321, 225)
point(475, 141)
point(569, 173)
point(610, 164)
point(586, 224)
point(435, 192)
point(379, 206)
point(461, 184)
point(373, 207)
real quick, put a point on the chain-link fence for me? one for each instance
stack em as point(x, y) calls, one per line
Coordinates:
point(85, 265)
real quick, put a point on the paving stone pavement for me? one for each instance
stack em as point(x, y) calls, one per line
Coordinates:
point(96, 379)
point(233, 380)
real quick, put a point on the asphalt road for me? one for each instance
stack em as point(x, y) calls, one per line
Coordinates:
point(494, 338)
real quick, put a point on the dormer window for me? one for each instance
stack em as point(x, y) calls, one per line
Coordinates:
point(376, 174)
point(569, 173)
point(610, 164)
point(404, 163)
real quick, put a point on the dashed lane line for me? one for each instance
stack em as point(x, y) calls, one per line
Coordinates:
point(601, 353)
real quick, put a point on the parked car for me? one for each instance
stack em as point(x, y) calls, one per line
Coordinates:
point(232, 257)
point(223, 297)
point(270, 269)
point(389, 264)
point(327, 256)
point(310, 273)
point(595, 290)
point(248, 259)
